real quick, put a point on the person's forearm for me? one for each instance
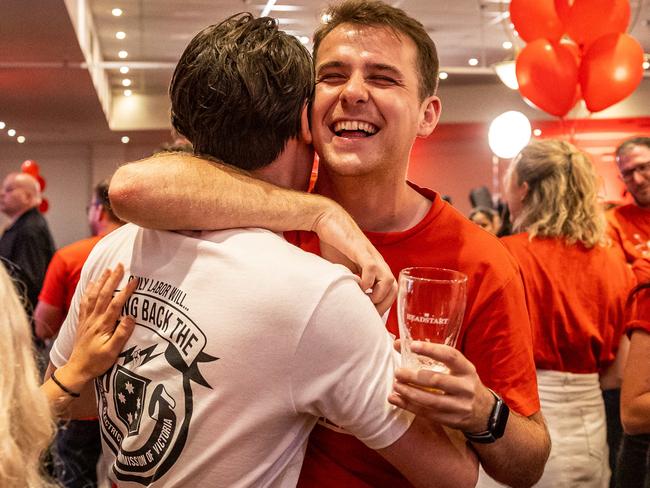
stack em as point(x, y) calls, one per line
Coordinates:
point(635, 415)
point(62, 402)
point(177, 191)
point(518, 458)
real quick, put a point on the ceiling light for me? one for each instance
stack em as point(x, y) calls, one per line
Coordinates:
point(267, 8)
point(508, 134)
point(506, 45)
point(472, 62)
point(123, 54)
point(117, 12)
point(20, 139)
point(507, 73)
point(325, 18)
point(124, 70)
point(646, 64)
point(537, 132)
point(11, 132)
point(2, 125)
point(125, 139)
point(120, 35)
point(126, 82)
point(443, 75)
point(304, 39)
point(128, 93)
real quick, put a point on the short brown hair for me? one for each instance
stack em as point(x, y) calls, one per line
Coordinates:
point(101, 197)
point(628, 144)
point(373, 13)
point(238, 90)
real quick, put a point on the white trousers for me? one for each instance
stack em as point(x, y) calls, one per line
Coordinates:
point(573, 407)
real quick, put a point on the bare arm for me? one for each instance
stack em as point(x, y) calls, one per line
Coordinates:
point(177, 191)
point(517, 459)
point(98, 342)
point(47, 319)
point(428, 455)
point(635, 393)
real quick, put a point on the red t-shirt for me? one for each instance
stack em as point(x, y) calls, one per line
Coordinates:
point(495, 334)
point(641, 318)
point(576, 299)
point(629, 227)
point(63, 273)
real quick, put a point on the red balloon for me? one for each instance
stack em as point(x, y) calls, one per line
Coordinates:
point(44, 206)
point(536, 19)
point(588, 20)
point(30, 167)
point(41, 182)
point(611, 70)
point(547, 73)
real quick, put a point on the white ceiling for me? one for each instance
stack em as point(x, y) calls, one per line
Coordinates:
point(48, 94)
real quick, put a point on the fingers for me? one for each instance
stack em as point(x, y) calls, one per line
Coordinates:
point(105, 295)
point(117, 303)
point(122, 333)
point(91, 293)
point(452, 358)
point(383, 294)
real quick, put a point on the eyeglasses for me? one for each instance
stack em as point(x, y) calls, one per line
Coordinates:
point(643, 169)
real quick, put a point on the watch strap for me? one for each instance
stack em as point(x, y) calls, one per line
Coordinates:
point(496, 423)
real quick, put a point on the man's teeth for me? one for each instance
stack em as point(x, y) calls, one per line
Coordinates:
point(350, 125)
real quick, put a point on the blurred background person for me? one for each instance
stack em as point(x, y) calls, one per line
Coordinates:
point(634, 457)
point(486, 218)
point(78, 444)
point(27, 242)
point(576, 288)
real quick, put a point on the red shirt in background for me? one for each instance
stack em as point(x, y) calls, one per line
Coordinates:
point(576, 299)
point(495, 335)
point(63, 273)
point(629, 227)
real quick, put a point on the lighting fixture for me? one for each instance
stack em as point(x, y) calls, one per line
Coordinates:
point(303, 39)
point(125, 139)
point(472, 62)
point(325, 18)
point(124, 70)
point(117, 12)
point(2, 125)
point(126, 82)
point(123, 54)
point(506, 71)
point(11, 132)
point(20, 139)
point(120, 35)
point(537, 132)
point(506, 45)
point(443, 75)
point(267, 8)
point(128, 93)
point(508, 134)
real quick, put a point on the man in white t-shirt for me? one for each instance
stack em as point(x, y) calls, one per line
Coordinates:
point(243, 340)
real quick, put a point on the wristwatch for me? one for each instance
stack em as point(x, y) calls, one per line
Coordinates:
point(496, 423)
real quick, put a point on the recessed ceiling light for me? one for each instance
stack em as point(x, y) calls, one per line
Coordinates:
point(537, 132)
point(128, 93)
point(117, 12)
point(506, 45)
point(120, 35)
point(20, 139)
point(123, 54)
point(2, 125)
point(646, 64)
point(11, 132)
point(125, 139)
point(304, 39)
point(472, 62)
point(325, 18)
point(443, 75)
point(124, 70)
point(126, 82)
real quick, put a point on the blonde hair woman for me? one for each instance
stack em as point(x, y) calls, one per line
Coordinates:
point(576, 289)
point(26, 408)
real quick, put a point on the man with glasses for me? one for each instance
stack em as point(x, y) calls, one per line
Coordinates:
point(630, 224)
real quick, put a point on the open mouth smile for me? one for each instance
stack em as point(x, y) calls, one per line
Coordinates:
point(353, 129)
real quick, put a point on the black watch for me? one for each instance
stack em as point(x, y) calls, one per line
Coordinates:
point(496, 423)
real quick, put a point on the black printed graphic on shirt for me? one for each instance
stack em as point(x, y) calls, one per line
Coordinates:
point(146, 398)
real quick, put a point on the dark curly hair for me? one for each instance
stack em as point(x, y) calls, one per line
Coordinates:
point(238, 90)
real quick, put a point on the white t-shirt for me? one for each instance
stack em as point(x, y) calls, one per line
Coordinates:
point(242, 341)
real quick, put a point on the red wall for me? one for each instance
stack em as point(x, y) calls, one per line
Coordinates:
point(457, 158)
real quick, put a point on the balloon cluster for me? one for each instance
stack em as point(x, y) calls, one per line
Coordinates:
point(576, 49)
point(32, 168)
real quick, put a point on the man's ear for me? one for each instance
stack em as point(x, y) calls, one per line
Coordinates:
point(429, 115)
point(305, 131)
